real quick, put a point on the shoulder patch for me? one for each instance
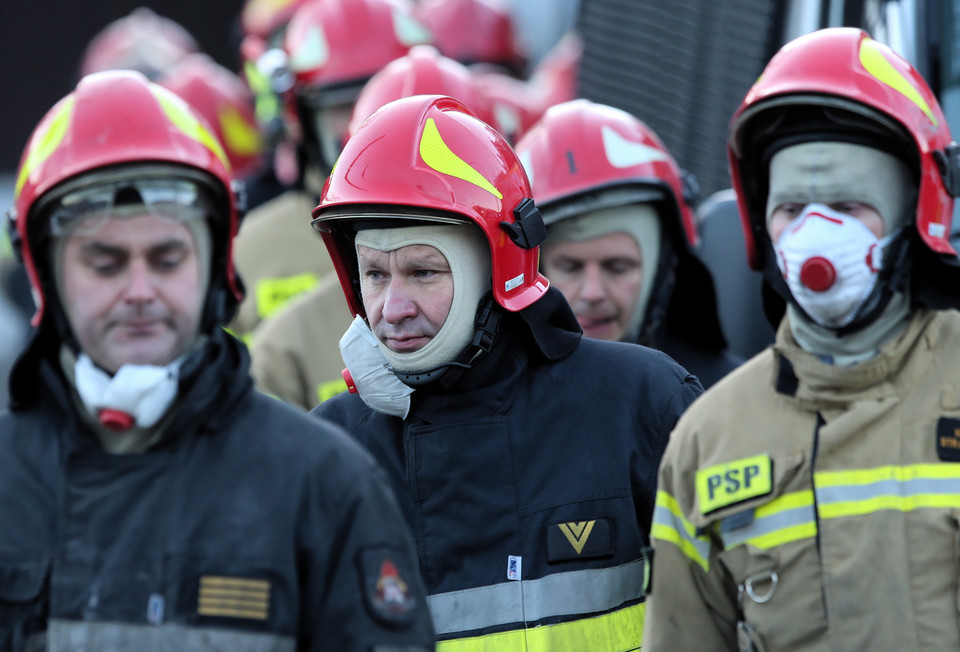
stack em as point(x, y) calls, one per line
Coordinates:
point(272, 294)
point(734, 482)
point(384, 574)
point(948, 439)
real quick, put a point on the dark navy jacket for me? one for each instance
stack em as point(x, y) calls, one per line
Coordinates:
point(540, 465)
point(248, 527)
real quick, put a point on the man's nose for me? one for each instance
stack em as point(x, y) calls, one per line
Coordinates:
point(593, 288)
point(398, 303)
point(141, 288)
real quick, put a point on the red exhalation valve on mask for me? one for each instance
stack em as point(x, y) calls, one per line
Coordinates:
point(348, 379)
point(818, 274)
point(115, 420)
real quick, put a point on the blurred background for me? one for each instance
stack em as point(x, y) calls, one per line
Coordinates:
point(682, 67)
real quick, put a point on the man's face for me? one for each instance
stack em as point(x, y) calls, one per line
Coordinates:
point(601, 279)
point(406, 293)
point(131, 291)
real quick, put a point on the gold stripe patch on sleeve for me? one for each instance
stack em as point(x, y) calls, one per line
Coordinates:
point(234, 597)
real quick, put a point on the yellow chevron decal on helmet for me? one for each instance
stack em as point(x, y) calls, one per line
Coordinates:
point(179, 115)
point(239, 135)
point(44, 143)
point(438, 156)
point(873, 61)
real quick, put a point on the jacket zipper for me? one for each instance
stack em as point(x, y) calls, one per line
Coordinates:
point(816, 510)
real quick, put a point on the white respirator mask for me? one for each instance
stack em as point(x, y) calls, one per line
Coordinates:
point(830, 262)
point(376, 384)
point(137, 395)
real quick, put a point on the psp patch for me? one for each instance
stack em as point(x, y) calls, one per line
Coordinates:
point(734, 482)
point(384, 577)
point(579, 540)
point(948, 439)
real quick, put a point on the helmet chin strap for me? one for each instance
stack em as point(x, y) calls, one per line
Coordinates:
point(447, 374)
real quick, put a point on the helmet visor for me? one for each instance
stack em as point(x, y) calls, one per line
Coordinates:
point(85, 211)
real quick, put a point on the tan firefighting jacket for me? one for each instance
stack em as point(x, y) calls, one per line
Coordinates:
point(279, 256)
point(802, 506)
point(296, 353)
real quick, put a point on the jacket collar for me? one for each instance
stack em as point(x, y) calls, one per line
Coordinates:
point(820, 383)
point(213, 381)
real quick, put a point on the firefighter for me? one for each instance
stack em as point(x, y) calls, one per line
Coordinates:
point(620, 235)
point(523, 455)
point(809, 500)
point(332, 48)
point(150, 498)
point(295, 355)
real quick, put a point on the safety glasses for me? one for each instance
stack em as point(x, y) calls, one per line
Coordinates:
point(85, 211)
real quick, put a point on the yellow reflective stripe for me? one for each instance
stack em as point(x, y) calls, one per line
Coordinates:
point(783, 535)
point(621, 630)
point(889, 503)
point(787, 501)
point(439, 156)
point(330, 388)
point(788, 518)
point(272, 294)
point(179, 116)
point(825, 479)
point(896, 488)
point(239, 136)
point(670, 525)
point(873, 61)
point(44, 143)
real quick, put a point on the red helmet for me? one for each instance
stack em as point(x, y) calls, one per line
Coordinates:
point(838, 83)
point(226, 103)
point(579, 147)
point(333, 48)
point(142, 41)
point(423, 71)
point(428, 158)
point(117, 126)
point(474, 31)
point(336, 42)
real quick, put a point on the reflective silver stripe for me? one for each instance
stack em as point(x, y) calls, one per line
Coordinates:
point(765, 525)
point(74, 636)
point(560, 594)
point(671, 526)
point(892, 487)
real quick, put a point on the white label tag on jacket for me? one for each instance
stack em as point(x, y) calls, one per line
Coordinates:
point(155, 607)
point(514, 567)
